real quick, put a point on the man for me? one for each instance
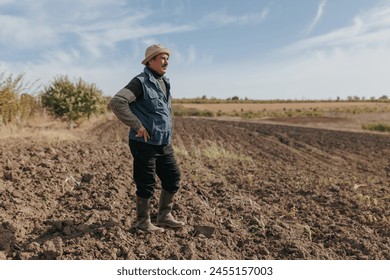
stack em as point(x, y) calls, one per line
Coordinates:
point(145, 105)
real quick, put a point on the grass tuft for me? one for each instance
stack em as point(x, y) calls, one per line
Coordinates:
point(377, 127)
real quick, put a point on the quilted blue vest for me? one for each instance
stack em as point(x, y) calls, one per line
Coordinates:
point(153, 110)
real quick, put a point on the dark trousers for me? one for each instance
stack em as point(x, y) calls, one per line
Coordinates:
point(151, 160)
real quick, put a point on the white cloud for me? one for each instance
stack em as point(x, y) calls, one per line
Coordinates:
point(192, 54)
point(21, 33)
point(90, 28)
point(189, 57)
point(78, 41)
point(60, 63)
point(61, 58)
point(221, 18)
point(351, 60)
point(320, 76)
point(5, 2)
point(371, 28)
point(329, 74)
point(318, 16)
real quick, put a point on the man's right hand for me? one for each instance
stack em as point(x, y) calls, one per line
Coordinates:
point(142, 132)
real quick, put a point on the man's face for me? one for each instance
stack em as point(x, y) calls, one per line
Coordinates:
point(159, 63)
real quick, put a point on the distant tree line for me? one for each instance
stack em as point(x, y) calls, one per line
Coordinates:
point(357, 98)
point(236, 99)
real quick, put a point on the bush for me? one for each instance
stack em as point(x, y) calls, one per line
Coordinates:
point(15, 103)
point(73, 101)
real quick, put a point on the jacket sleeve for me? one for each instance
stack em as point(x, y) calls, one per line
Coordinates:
point(120, 105)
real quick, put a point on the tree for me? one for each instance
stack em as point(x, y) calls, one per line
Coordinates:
point(72, 101)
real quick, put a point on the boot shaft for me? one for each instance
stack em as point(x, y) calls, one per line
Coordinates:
point(165, 217)
point(143, 205)
point(166, 203)
point(143, 216)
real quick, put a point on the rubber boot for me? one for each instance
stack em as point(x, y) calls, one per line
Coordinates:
point(165, 217)
point(143, 216)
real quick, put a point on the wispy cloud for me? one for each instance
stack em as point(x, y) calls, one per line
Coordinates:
point(21, 33)
point(91, 30)
point(320, 11)
point(190, 56)
point(368, 29)
point(351, 60)
point(102, 41)
point(222, 18)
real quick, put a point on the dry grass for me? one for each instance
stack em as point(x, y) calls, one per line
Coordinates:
point(211, 150)
point(382, 127)
point(256, 107)
point(38, 128)
point(352, 116)
point(45, 128)
point(38, 135)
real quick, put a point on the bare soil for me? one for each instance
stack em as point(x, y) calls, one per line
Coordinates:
point(249, 191)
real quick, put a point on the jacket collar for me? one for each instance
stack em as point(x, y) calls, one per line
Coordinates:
point(153, 76)
point(154, 73)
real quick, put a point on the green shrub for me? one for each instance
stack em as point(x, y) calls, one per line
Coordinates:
point(73, 101)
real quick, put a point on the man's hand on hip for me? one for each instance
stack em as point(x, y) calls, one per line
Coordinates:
point(142, 132)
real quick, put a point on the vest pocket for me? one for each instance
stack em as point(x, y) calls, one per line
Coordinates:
point(159, 124)
point(153, 100)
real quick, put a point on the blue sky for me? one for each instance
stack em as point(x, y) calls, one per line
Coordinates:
point(259, 49)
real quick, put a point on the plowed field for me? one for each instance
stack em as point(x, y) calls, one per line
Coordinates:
point(249, 191)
